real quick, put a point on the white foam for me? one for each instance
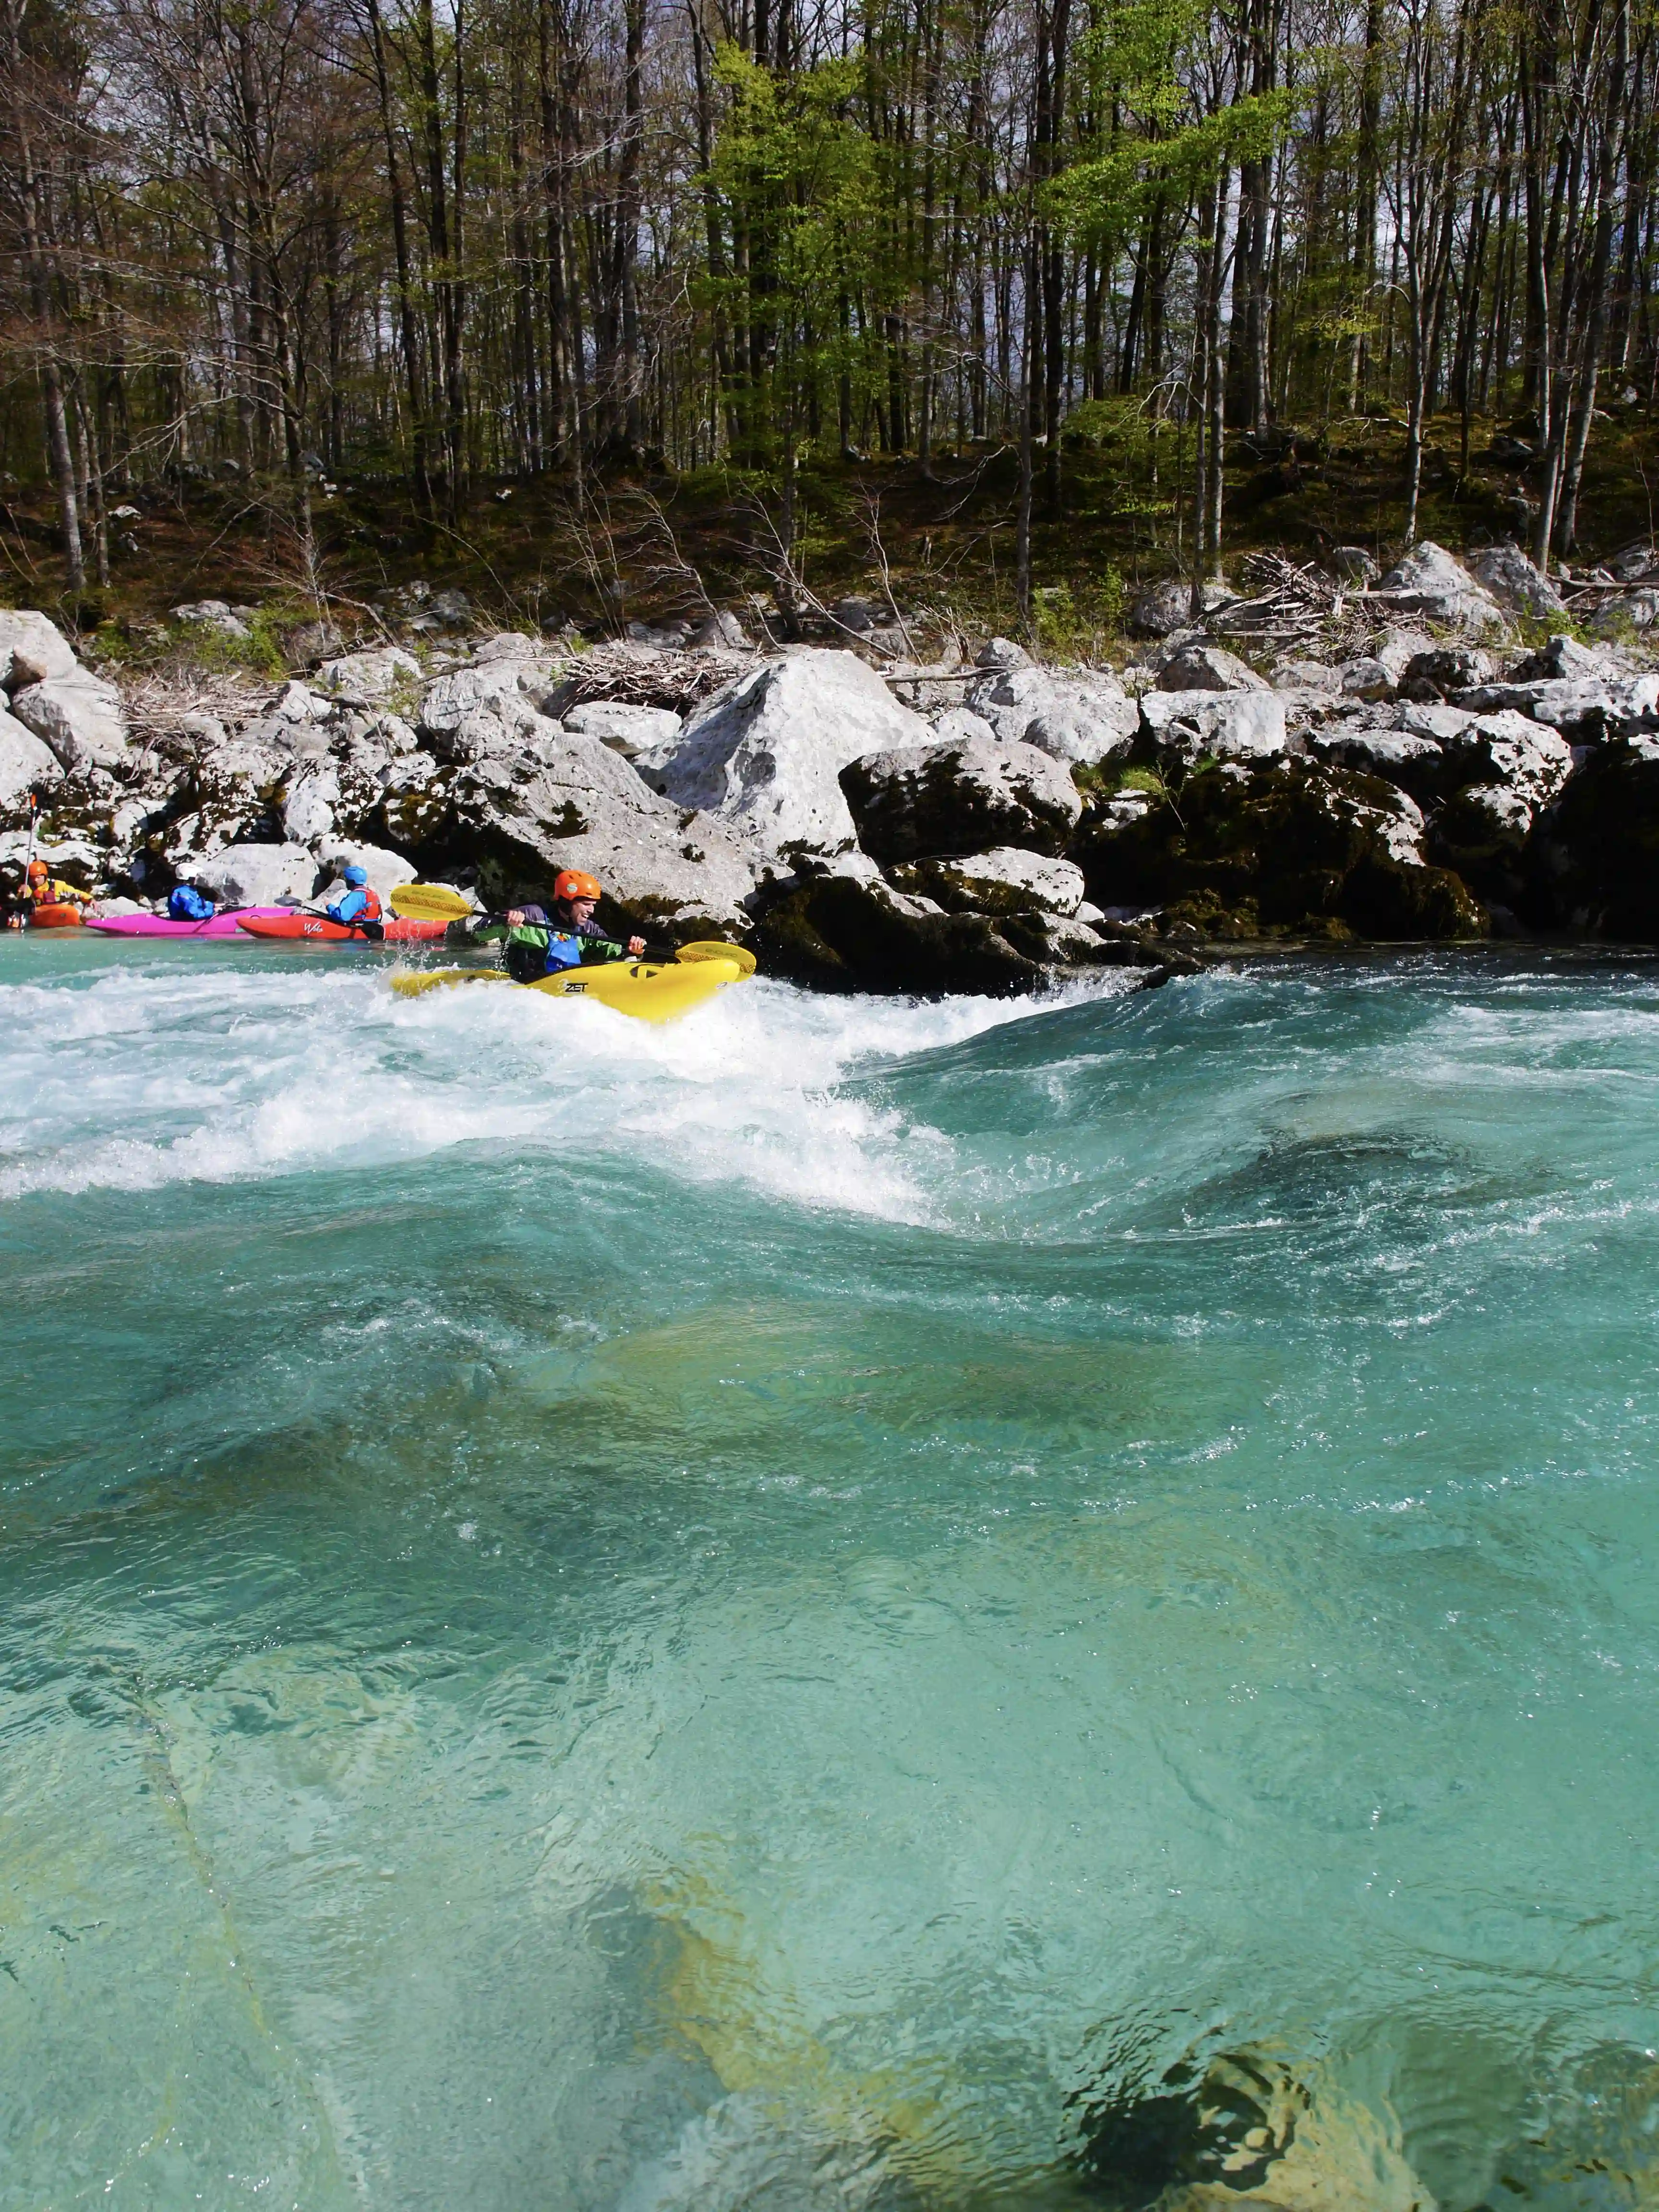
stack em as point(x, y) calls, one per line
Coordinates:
point(144, 1077)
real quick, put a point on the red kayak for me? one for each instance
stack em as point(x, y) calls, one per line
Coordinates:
point(317, 929)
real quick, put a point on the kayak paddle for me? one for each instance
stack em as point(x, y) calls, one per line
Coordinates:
point(429, 902)
point(711, 948)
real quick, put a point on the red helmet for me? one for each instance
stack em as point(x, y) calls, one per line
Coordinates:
point(575, 884)
point(37, 872)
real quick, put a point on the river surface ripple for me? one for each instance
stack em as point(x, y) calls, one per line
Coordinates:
point(811, 1609)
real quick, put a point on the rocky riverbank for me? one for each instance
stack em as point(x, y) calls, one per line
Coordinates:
point(920, 827)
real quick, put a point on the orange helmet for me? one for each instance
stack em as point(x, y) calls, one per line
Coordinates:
point(574, 884)
point(37, 872)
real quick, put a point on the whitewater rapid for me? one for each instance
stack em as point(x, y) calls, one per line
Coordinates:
point(131, 1073)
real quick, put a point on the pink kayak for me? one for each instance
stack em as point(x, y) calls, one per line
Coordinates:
point(226, 924)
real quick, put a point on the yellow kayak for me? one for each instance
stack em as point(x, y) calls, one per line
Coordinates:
point(651, 991)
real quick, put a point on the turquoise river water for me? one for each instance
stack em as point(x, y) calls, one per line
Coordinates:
point(808, 1609)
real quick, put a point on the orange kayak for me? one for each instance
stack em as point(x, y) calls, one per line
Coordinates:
point(54, 915)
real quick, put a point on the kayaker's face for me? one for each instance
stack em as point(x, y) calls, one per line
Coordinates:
point(581, 910)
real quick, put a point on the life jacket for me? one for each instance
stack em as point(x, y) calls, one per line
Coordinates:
point(527, 963)
point(186, 904)
point(371, 908)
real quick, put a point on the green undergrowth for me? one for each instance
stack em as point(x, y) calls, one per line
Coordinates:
point(653, 544)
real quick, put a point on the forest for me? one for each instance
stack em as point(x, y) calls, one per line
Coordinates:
point(292, 246)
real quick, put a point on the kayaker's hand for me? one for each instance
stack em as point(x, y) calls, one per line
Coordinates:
point(636, 946)
point(515, 917)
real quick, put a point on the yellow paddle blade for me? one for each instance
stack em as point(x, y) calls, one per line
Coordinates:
point(429, 902)
point(711, 949)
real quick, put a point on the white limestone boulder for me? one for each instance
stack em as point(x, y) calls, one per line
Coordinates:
point(962, 797)
point(33, 649)
point(27, 763)
point(79, 716)
point(1080, 717)
point(252, 875)
point(365, 679)
point(764, 757)
point(1430, 582)
point(1186, 727)
point(1003, 881)
point(627, 729)
point(1515, 581)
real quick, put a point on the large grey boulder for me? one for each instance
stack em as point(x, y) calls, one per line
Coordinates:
point(573, 803)
point(26, 764)
point(1002, 881)
point(1298, 845)
point(1515, 581)
point(1513, 753)
point(509, 645)
point(1367, 678)
point(1428, 581)
point(252, 875)
point(309, 808)
point(1200, 666)
point(1077, 717)
point(720, 630)
point(81, 717)
point(385, 870)
point(1561, 655)
point(32, 649)
point(1580, 709)
point(1441, 669)
point(1398, 756)
point(765, 757)
point(212, 614)
point(363, 679)
point(1431, 719)
point(962, 726)
point(627, 729)
point(959, 798)
point(474, 710)
point(1186, 727)
point(1481, 824)
point(1001, 652)
point(1398, 647)
point(1160, 610)
point(835, 933)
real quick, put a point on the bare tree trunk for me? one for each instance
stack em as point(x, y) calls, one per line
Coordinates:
point(32, 198)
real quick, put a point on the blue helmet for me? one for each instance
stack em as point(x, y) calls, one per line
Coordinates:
point(355, 875)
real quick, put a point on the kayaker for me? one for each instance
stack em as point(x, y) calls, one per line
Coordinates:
point(41, 888)
point(186, 904)
point(536, 943)
point(359, 904)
